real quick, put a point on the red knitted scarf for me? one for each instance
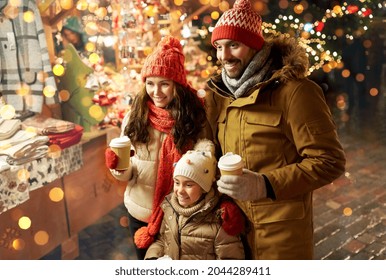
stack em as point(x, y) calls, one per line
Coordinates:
point(160, 119)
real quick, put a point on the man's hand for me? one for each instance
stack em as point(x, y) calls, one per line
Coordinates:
point(248, 186)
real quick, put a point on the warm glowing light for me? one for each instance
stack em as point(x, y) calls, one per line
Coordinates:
point(202, 61)
point(214, 3)
point(29, 16)
point(374, 92)
point(18, 244)
point(147, 50)
point(96, 112)
point(101, 12)
point(360, 77)
point(150, 11)
point(347, 211)
point(178, 2)
point(215, 15)
point(23, 90)
point(223, 6)
point(58, 70)
point(259, 6)
point(337, 9)
point(204, 74)
point(82, 5)
point(23, 175)
point(327, 68)
point(56, 194)
point(7, 112)
point(24, 222)
point(54, 151)
point(346, 73)
point(41, 237)
point(92, 6)
point(86, 101)
point(94, 58)
point(49, 91)
point(176, 14)
point(298, 9)
point(90, 46)
point(64, 95)
point(91, 28)
point(66, 4)
point(341, 102)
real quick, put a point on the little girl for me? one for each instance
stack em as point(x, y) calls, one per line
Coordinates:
point(192, 227)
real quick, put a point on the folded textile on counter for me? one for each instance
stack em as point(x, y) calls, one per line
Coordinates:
point(65, 140)
point(19, 137)
point(26, 151)
point(46, 125)
point(9, 128)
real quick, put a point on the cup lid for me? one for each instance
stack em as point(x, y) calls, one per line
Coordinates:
point(230, 162)
point(120, 142)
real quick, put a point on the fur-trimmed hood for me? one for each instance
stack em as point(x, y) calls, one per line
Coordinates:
point(289, 57)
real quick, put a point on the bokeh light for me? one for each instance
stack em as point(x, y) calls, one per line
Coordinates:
point(347, 211)
point(49, 91)
point(18, 244)
point(24, 222)
point(23, 175)
point(56, 194)
point(54, 151)
point(29, 16)
point(41, 237)
point(7, 112)
point(64, 95)
point(58, 70)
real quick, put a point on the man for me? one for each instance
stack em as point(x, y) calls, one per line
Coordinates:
point(263, 108)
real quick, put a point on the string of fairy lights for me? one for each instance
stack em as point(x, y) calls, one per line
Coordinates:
point(310, 24)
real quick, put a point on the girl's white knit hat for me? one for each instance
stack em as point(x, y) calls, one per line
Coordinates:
point(199, 164)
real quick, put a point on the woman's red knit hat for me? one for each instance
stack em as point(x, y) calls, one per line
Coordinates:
point(167, 60)
point(242, 24)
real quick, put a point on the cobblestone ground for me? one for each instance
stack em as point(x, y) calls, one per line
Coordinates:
point(350, 213)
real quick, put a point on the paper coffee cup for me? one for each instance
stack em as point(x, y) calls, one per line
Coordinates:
point(231, 164)
point(121, 146)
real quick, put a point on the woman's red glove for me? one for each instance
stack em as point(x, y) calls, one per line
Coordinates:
point(111, 159)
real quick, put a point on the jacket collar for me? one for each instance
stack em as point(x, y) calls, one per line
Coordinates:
point(290, 63)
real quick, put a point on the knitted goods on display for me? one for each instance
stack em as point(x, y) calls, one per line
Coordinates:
point(242, 24)
point(167, 60)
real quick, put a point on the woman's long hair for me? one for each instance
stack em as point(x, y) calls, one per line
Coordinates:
point(186, 109)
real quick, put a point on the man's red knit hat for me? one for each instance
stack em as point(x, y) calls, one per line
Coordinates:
point(242, 24)
point(167, 60)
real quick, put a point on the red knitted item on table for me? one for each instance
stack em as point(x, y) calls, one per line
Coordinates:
point(160, 119)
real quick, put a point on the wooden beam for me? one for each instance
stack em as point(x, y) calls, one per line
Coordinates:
point(189, 18)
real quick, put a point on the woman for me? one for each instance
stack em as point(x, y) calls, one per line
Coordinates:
point(165, 120)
